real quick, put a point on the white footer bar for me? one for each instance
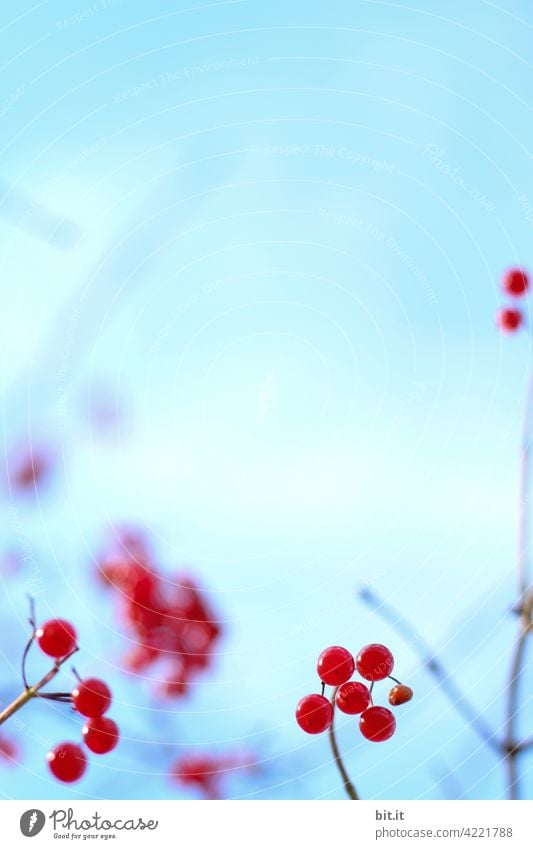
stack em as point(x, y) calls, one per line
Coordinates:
point(272, 825)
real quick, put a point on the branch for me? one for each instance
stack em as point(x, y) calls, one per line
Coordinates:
point(433, 665)
point(523, 525)
point(524, 746)
point(32, 692)
point(524, 607)
point(512, 749)
point(351, 792)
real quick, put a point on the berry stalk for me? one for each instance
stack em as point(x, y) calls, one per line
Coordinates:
point(523, 527)
point(433, 665)
point(33, 691)
point(351, 792)
point(512, 748)
point(525, 604)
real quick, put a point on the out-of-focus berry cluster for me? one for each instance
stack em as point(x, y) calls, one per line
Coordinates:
point(205, 773)
point(169, 616)
point(515, 284)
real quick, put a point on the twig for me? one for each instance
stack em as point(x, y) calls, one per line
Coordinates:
point(524, 746)
point(348, 786)
point(24, 658)
point(524, 607)
point(523, 525)
point(433, 665)
point(32, 692)
point(512, 749)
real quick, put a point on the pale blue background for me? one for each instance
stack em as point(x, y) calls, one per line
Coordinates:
point(293, 219)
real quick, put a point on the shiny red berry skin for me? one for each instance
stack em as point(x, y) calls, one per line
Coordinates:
point(335, 666)
point(91, 697)
point(515, 282)
point(57, 637)
point(314, 714)
point(101, 735)
point(352, 697)
point(67, 762)
point(509, 320)
point(375, 662)
point(400, 694)
point(377, 724)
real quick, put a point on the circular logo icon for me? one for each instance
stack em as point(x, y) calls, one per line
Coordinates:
point(32, 822)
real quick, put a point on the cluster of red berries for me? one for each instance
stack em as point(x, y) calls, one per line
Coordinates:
point(91, 698)
point(336, 665)
point(205, 772)
point(515, 283)
point(169, 617)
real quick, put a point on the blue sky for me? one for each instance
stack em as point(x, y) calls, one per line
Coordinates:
point(275, 232)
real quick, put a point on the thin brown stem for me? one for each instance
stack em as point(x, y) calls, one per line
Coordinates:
point(523, 524)
point(434, 666)
point(512, 747)
point(351, 792)
point(32, 692)
point(524, 746)
point(16, 705)
point(24, 658)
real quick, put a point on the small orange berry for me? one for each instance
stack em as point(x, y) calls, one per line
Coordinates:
point(400, 694)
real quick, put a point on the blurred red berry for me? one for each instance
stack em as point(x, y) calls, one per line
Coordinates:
point(206, 772)
point(114, 570)
point(140, 657)
point(57, 638)
point(377, 724)
point(8, 749)
point(67, 762)
point(375, 662)
point(28, 468)
point(335, 665)
point(169, 689)
point(515, 282)
point(400, 694)
point(91, 697)
point(101, 735)
point(314, 714)
point(352, 697)
point(509, 319)
point(170, 618)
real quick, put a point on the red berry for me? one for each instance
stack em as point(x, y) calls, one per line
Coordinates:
point(377, 724)
point(352, 697)
point(30, 467)
point(400, 694)
point(335, 665)
point(101, 735)
point(57, 637)
point(509, 320)
point(8, 749)
point(515, 282)
point(375, 662)
point(67, 762)
point(314, 714)
point(91, 697)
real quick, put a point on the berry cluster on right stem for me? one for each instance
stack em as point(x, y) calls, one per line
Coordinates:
point(335, 667)
point(515, 283)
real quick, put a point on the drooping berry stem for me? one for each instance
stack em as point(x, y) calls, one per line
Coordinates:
point(351, 792)
point(524, 608)
point(433, 665)
point(33, 691)
point(523, 525)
